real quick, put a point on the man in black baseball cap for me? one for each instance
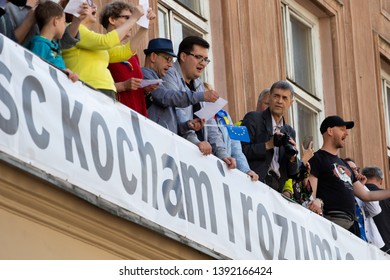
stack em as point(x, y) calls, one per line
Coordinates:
point(333, 121)
point(332, 180)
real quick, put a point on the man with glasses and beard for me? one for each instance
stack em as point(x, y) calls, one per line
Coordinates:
point(332, 180)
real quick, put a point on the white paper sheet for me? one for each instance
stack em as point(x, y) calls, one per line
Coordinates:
point(210, 109)
point(145, 83)
point(73, 7)
point(143, 21)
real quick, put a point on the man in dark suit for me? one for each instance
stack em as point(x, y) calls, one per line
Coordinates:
point(270, 155)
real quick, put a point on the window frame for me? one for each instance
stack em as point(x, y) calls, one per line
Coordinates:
point(385, 83)
point(313, 101)
point(199, 23)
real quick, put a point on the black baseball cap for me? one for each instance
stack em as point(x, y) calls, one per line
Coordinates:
point(332, 121)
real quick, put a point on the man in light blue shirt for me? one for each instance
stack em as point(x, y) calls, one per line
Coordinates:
point(163, 100)
point(185, 75)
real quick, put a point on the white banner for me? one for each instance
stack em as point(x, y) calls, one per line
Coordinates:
point(83, 137)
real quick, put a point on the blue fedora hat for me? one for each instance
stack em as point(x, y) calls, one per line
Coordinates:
point(160, 45)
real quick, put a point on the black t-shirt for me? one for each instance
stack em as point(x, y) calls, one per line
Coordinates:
point(335, 179)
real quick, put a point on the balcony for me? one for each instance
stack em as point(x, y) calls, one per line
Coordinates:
point(96, 149)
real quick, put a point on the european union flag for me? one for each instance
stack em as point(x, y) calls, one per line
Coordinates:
point(239, 133)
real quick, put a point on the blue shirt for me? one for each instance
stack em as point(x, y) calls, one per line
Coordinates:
point(48, 50)
point(233, 147)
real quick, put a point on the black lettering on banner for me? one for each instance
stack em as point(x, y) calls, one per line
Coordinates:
point(1, 43)
point(246, 205)
point(282, 222)
point(296, 241)
point(8, 125)
point(172, 185)
point(121, 138)
point(349, 256)
point(104, 170)
point(228, 204)
point(261, 216)
point(199, 180)
point(334, 236)
point(323, 247)
point(28, 56)
point(30, 85)
point(305, 246)
point(229, 214)
point(70, 124)
point(144, 150)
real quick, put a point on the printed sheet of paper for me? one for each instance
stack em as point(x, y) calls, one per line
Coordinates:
point(143, 21)
point(210, 109)
point(73, 7)
point(145, 83)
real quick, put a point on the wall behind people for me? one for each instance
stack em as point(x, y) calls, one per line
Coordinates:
point(251, 64)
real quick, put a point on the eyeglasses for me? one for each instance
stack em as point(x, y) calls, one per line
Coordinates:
point(200, 58)
point(124, 16)
point(90, 3)
point(169, 59)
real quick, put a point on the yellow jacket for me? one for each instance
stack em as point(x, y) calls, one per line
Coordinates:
point(92, 54)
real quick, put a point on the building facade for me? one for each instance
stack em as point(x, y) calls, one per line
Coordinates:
point(336, 54)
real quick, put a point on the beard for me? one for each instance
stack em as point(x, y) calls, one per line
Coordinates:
point(339, 144)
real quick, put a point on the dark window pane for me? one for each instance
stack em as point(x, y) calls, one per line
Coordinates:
point(194, 5)
point(306, 123)
point(302, 56)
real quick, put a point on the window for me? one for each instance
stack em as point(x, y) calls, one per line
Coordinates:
point(386, 99)
point(181, 18)
point(303, 69)
point(306, 117)
point(178, 19)
point(193, 5)
point(301, 57)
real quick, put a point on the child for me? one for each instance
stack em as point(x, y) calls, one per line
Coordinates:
point(50, 18)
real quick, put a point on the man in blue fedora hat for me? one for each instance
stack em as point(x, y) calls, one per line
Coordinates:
point(160, 45)
point(162, 101)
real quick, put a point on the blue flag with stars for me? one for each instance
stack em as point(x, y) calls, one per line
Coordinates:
point(239, 133)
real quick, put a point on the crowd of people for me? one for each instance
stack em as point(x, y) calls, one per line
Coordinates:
point(321, 181)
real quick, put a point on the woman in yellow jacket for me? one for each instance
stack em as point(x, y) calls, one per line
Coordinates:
point(92, 54)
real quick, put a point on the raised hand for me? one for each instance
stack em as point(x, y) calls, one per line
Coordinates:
point(211, 96)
